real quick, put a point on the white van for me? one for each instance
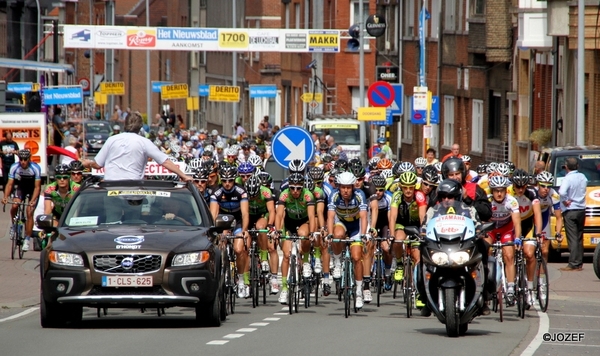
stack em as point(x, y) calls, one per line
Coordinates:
point(347, 131)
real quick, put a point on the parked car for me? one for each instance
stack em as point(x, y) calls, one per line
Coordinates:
point(133, 244)
point(96, 134)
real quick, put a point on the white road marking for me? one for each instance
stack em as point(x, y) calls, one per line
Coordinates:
point(23, 313)
point(233, 336)
point(571, 344)
point(280, 313)
point(271, 319)
point(259, 324)
point(576, 316)
point(246, 330)
point(217, 342)
point(284, 308)
point(538, 339)
point(574, 330)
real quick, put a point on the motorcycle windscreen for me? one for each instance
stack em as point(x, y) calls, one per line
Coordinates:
point(451, 221)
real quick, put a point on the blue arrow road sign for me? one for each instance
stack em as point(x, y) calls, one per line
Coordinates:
point(290, 143)
point(397, 108)
point(418, 116)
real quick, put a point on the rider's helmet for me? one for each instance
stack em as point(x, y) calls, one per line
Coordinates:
point(381, 140)
point(452, 165)
point(387, 173)
point(62, 169)
point(379, 181)
point(384, 163)
point(326, 158)
point(220, 145)
point(420, 162)
point(252, 186)
point(265, 178)
point(545, 178)
point(373, 163)
point(341, 165)
point(520, 178)
point(316, 173)
point(297, 166)
point(408, 179)
point(503, 169)
point(430, 175)
point(449, 188)
point(491, 167)
point(402, 167)
point(228, 172)
point(309, 183)
point(246, 168)
point(24, 155)
point(323, 147)
point(358, 170)
point(511, 166)
point(256, 161)
point(482, 168)
point(334, 152)
point(438, 166)
point(499, 182)
point(76, 166)
point(466, 158)
point(202, 172)
point(296, 179)
point(345, 178)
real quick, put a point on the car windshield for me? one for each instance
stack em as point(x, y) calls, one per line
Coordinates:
point(97, 127)
point(343, 134)
point(589, 165)
point(133, 207)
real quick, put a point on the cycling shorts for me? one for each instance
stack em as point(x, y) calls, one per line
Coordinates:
point(292, 225)
point(352, 228)
point(254, 218)
point(506, 232)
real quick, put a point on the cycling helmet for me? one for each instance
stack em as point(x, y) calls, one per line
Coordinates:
point(482, 168)
point(296, 179)
point(334, 152)
point(246, 168)
point(237, 148)
point(214, 132)
point(255, 161)
point(358, 170)
point(511, 166)
point(245, 146)
point(533, 180)
point(354, 161)
point(324, 147)
point(260, 151)
point(452, 165)
point(499, 182)
point(373, 163)
point(202, 172)
point(430, 175)
point(158, 142)
point(228, 172)
point(341, 165)
point(381, 140)
point(449, 188)
point(345, 178)
point(520, 178)
point(232, 152)
point(404, 167)
point(61, 170)
point(438, 166)
point(420, 162)
point(24, 155)
point(207, 153)
point(545, 178)
point(466, 158)
point(116, 128)
point(491, 167)
point(387, 173)
point(76, 166)
point(379, 181)
point(326, 158)
point(309, 183)
point(189, 144)
point(265, 178)
point(209, 148)
point(296, 166)
point(408, 179)
point(334, 172)
point(503, 169)
point(252, 186)
point(384, 163)
point(220, 145)
point(316, 173)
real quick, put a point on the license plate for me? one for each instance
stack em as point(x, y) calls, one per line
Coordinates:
point(126, 281)
point(595, 240)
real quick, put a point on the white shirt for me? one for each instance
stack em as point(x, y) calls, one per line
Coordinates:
point(66, 159)
point(124, 156)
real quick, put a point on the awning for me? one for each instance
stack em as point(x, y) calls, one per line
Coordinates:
point(34, 65)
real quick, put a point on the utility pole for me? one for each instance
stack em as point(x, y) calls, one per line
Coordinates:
point(233, 68)
point(55, 49)
point(580, 121)
point(148, 84)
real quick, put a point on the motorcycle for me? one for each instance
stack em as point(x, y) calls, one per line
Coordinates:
point(451, 266)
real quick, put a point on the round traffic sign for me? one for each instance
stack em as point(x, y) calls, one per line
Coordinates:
point(85, 83)
point(381, 94)
point(417, 115)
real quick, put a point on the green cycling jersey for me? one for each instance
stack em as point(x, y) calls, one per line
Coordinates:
point(258, 204)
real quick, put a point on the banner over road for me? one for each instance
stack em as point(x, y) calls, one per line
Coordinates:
point(201, 39)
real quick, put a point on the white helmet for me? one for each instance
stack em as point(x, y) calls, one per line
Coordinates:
point(232, 151)
point(215, 132)
point(499, 182)
point(420, 162)
point(255, 160)
point(387, 173)
point(466, 158)
point(209, 148)
point(220, 144)
point(503, 169)
point(345, 178)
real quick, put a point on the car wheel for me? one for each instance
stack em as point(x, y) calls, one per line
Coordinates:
point(209, 314)
point(222, 302)
point(50, 314)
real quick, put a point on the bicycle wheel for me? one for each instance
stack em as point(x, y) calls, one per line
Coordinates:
point(21, 240)
point(264, 280)
point(291, 284)
point(408, 292)
point(306, 288)
point(317, 283)
point(232, 286)
point(338, 290)
point(541, 284)
point(13, 240)
point(378, 279)
point(297, 288)
point(522, 291)
point(500, 301)
point(253, 280)
point(346, 288)
point(395, 289)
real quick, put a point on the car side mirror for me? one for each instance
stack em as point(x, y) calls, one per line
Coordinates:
point(44, 222)
point(222, 222)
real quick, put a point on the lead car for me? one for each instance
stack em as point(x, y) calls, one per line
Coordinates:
point(132, 244)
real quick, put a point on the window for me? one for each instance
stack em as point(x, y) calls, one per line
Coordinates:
point(355, 11)
point(435, 18)
point(297, 14)
point(477, 126)
point(409, 20)
point(467, 15)
point(495, 115)
point(407, 126)
point(450, 15)
point(306, 14)
point(448, 121)
point(477, 7)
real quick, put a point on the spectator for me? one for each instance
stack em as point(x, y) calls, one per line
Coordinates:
point(180, 122)
point(454, 153)
point(71, 147)
point(572, 200)
point(172, 118)
point(384, 150)
point(116, 115)
point(58, 124)
point(158, 123)
point(9, 149)
point(239, 130)
point(268, 125)
point(274, 130)
point(538, 167)
point(430, 157)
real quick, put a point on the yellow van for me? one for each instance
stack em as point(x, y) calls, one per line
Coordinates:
point(589, 165)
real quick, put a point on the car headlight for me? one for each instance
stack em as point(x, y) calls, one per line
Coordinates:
point(191, 258)
point(459, 258)
point(66, 259)
point(440, 258)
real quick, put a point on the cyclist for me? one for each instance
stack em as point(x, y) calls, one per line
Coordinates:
point(58, 194)
point(245, 171)
point(420, 163)
point(295, 214)
point(231, 199)
point(201, 182)
point(295, 166)
point(370, 193)
point(397, 170)
point(549, 201)
point(384, 201)
point(262, 216)
point(76, 168)
point(347, 216)
point(232, 156)
point(408, 208)
point(507, 217)
point(429, 182)
point(531, 215)
point(219, 154)
point(325, 190)
point(28, 178)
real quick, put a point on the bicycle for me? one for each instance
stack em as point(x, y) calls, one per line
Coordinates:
point(499, 296)
point(315, 278)
point(409, 292)
point(258, 278)
point(295, 271)
point(541, 283)
point(345, 286)
point(521, 290)
point(17, 229)
point(230, 271)
point(378, 268)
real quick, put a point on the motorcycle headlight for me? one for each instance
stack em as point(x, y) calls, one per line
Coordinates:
point(66, 259)
point(440, 258)
point(190, 259)
point(459, 258)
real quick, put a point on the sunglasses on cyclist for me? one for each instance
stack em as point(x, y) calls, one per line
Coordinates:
point(245, 176)
point(296, 187)
point(62, 177)
point(380, 189)
point(76, 173)
point(545, 185)
point(200, 181)
point(231, 180)
point(428, 184)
